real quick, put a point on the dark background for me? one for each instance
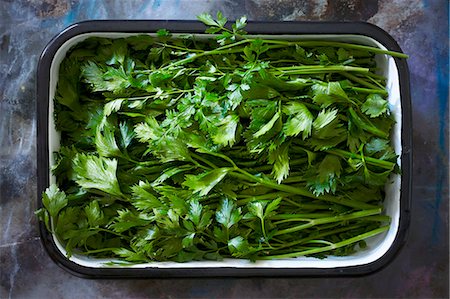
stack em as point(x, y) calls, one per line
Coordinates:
point(421, 270)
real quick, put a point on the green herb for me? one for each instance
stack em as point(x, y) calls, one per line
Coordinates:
point(180, 148)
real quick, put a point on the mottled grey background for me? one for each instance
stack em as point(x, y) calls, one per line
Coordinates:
point(419, 271)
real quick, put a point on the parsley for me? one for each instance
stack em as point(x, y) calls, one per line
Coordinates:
point(175, 148)
point(96, 173)
point(374, 105)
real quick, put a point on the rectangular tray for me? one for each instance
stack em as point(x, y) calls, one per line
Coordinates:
point(381, 249)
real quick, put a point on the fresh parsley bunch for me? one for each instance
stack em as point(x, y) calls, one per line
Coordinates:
point(182, 147)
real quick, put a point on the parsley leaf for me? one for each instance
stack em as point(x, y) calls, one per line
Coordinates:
point(144, 199)
point(204, 182)
point(105, 141)
point(54, 200)
point(227, 214)
point(326, 94)
point(325, 179)
point(280, 160)
point(374, 105)
point(97, 173)
point(300, 120)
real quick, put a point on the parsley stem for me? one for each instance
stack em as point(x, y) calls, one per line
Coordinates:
point(179, 48)
point(362, 82)
point(300, 191)
point(268, 196)
point(294, 179)
point(365, 126)
point(263, 229)
point(270, 167)
point(109, 231)
point(336, 44)
point(376, 76)
point(329, 247)
point(299, 217)
point(378, 218)
point(314, 222)
point(282, 61)
point(368, 90)
point(225, 157)
point(373, 161)
point(365, 60)
point(303, 206)
point(146, 163)
point(375, 81)
point(271, 195)
point(86, 252)
point(307, 217)
point(218, 50)
point(322, 234)
point(319, 69)
point(319, 242)
point(200, 158)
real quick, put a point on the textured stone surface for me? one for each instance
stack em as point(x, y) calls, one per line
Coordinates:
point(421, 268)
